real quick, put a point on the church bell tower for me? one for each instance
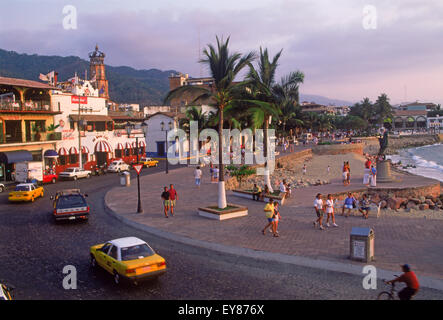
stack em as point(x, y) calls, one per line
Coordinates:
point(97, 71)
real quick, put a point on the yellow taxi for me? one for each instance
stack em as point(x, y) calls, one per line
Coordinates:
point(128, 258)
point(26, 192)
point(148, 162)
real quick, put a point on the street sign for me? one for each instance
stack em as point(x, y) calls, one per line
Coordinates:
point(137, 167)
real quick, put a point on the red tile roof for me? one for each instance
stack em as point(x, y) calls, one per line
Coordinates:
point(24, 83)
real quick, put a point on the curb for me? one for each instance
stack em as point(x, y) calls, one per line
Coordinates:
point(290, 260)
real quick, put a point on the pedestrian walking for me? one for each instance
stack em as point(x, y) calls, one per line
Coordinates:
point(373, 176)
point(277, 218)
point(198, 176)
point(215, 173)
point(319, 210)
point(329, 169)
point(173, 196)
point(269, 212)
point(165, 198)
point(304, 169)
point(330, 211)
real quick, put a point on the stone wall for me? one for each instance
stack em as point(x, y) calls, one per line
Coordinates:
point(232, 183)
point(402, 142)
point(338, 149)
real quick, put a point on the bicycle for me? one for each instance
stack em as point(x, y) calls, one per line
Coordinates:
point(391, 294)
point(388, 295)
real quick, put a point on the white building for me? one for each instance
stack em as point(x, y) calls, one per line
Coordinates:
point(99, 141)
point(157, 124)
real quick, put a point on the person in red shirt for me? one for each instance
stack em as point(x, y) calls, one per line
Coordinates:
point(411, 281)
point(172, 197)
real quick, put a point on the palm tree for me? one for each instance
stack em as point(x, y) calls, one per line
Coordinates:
point(265, 94)
point(224, 67)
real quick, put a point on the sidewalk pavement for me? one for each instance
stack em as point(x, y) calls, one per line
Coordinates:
point(398, 240)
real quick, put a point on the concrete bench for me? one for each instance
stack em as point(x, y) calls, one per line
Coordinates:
point(249, 195)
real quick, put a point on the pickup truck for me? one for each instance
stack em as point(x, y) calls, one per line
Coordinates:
point(74, 173)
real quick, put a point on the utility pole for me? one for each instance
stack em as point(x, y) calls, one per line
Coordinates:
point(79, 137)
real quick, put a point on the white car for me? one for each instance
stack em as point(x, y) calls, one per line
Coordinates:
point(118, 166)
point(74, 173)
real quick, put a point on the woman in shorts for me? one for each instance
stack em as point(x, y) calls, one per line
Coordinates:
point(330, 211)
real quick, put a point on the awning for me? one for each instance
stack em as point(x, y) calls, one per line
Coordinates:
point(62, 152)
point(50, 154)
point(128, 145)
point(102, 146)
point(142, 144)
point(85, 149)
point(119, 146)
point(73, 150)
point(134, 144)
point(15, 156)
point(90, 117)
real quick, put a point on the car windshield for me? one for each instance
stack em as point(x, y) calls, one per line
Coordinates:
point(21, 188)
point(70, 201)
point(136, 252)
point(70, 170)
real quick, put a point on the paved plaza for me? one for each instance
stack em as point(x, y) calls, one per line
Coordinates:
point(399, 238)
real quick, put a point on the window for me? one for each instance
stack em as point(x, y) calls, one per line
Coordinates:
point(105, 248)
point(118, 153)
point(113, 252)
point(73, 158)
point(62, 160)
point(136, 252)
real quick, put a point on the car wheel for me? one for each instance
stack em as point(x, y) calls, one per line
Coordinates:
point(93, 262)
point(53, 180)
point(116, 277)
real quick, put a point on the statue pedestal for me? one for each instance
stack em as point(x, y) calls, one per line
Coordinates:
point(384, 172)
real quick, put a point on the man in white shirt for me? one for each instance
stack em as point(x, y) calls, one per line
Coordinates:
point(319, 209)
point(197, 176)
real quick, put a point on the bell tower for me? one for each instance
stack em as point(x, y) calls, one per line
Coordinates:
point(97, 71)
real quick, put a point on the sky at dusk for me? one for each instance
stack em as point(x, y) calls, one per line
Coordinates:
point(327, 40)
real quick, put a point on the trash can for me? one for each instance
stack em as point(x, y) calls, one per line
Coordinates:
point(362, 244)
point(125, 178)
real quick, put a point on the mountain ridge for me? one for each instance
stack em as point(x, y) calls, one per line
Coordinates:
point(126, 84)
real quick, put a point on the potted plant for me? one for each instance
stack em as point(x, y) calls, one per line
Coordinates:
point(36, 129)
point(51, 128)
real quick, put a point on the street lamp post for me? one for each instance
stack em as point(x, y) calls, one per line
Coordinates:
point(162, 125)
point(128, 130)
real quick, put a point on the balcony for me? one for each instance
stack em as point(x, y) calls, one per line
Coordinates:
point(34, 138)
point(27, 107)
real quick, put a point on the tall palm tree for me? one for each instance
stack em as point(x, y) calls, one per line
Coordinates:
point(224, 67)
point(261, 84)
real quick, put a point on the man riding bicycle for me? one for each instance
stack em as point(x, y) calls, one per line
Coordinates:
point(411, 281)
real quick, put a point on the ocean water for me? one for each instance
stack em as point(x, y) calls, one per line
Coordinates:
point(427, 159)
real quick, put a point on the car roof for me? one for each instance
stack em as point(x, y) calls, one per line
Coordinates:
point(25, 184)
point(127, 242)
point(68, 191)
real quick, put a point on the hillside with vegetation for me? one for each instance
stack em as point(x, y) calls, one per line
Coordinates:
point(126, 84)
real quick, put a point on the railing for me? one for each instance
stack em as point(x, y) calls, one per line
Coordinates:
point(42, 136)
point(27, 106)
